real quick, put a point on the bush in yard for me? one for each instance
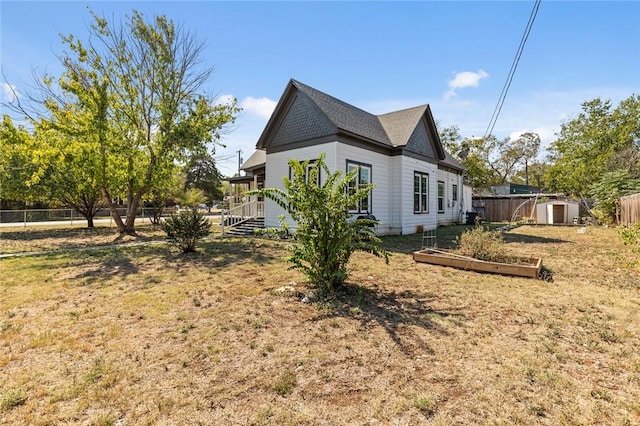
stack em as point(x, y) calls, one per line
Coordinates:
point(482, 244)
point(327, 234)
point(631, 237)
point(185, 229)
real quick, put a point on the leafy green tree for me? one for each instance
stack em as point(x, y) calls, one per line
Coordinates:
point(491, 161)
point(524, 150)
point(469, 152)
point(608, 190)
point(168, 189)
point(68, 172)
point(504, 156)
point(590, 144)
point(135, 92)
point(192, 198)
point(326, 235)
point(532, 175)
point(202, 173)
point(16, 167)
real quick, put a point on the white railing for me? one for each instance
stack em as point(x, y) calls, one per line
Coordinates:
point(241, 213)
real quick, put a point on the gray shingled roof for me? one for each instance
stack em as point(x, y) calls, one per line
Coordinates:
point(393, 129)
point(258, 158)
point(346, 117)
point(451, 161)
point(399, 125)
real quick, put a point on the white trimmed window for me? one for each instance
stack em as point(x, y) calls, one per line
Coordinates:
point(420, 192)
point(440, 196)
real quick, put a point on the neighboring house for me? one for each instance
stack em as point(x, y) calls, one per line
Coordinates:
point(515, 188)
point(418, 185)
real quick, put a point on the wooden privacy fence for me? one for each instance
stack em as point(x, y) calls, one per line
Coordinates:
point(503, 209)
point(630, 209)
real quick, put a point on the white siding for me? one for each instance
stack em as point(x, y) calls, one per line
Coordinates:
point(452, 209)
point(396, 195)
point(467, 199)
point(412, 221)
point(380, 176)
point(392, 197)
point(277, 167)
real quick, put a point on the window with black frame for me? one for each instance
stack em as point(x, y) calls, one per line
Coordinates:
point(420, 192)
point(363, 178)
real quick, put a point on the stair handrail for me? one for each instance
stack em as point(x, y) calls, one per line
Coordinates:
point(241, 213)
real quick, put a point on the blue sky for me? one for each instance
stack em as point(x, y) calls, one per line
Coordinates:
point(379, 56)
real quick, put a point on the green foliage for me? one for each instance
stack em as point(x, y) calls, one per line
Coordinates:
point(631, 237)
point(130, 101)
point(607, 191)
point(326, 234)
point(491, 161)
point(202, 173)
point(169, 189)
point(186, 228)
point(18, 173)
point(482, 244)
point(192, 198)
point(275, 233)
point(285, 383)
point(591, 144)
point(13, 398)
point(425, 404)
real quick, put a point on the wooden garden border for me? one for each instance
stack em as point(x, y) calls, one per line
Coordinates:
point(525, 266)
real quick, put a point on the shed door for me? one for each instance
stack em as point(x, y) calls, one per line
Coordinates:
point(558, 213)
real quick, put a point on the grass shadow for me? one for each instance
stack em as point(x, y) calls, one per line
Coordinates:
point(35, 234)
point(445, 237)
point(530, 239)
point(219, 253)
point(398, 313)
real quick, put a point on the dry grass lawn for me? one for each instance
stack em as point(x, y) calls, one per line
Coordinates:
point(142, 335)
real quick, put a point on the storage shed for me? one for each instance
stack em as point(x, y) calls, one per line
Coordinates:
point(557, 212)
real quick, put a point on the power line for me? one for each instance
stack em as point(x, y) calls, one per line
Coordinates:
point(512, 71)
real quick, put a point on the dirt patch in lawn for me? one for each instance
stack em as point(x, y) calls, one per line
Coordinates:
point(141, 335)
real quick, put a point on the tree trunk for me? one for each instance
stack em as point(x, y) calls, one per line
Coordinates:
point(114, 212)
point(90, 221)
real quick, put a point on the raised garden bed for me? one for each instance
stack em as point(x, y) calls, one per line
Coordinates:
point(519, 266)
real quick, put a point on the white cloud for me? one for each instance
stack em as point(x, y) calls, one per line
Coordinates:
point(8, 92)
point(263, 107)
point(464, 79)
point(224, 99)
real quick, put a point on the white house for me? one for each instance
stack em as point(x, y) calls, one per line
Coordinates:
point(418, 185)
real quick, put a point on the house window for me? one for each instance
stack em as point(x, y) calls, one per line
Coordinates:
point(306, 172)
point(440, 196)
point(420, 192)
point(455, 192)
point(363, 178)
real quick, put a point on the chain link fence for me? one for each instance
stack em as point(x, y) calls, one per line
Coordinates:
point(19, 217)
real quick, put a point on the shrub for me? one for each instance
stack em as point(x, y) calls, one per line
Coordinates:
point(631, 237)
point(186, 228)
point(13, 398)
point(326, 234)
point(285, 383)
point(482, 244)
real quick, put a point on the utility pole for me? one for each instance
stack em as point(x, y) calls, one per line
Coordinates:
point(239, 160)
